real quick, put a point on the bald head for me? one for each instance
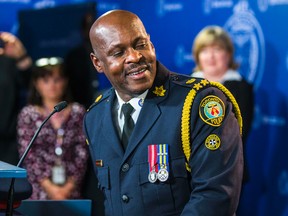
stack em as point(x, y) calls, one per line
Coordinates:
point(113, 22)
point(122, 50)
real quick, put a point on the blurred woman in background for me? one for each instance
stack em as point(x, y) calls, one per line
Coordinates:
point(56, 163)
point(213, 53)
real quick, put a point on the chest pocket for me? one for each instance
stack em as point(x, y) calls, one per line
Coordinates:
point(171, 194)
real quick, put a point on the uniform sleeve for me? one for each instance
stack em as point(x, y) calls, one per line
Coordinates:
point(216, 159)
point(86, 122)
point(77, 170)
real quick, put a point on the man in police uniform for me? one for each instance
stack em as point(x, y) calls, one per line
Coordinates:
point(184, 155)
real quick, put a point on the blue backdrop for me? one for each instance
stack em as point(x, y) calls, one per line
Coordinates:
point(260, 34)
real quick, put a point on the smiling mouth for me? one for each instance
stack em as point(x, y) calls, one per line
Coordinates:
point(137, 72)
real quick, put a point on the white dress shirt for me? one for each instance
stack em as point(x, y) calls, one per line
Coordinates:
point(137, 104)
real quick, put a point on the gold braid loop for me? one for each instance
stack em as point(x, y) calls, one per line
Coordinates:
point(233, 101)
point(185, 126)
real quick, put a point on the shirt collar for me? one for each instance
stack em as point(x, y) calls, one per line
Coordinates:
point(136, 102)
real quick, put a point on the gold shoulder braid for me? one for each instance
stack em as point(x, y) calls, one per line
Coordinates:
point(185, 125)
point(233, 101)
point(185, 120)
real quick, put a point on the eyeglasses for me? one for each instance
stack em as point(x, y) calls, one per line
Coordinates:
point(42, 62)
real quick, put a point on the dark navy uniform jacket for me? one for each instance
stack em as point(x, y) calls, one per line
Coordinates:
point(213, 185)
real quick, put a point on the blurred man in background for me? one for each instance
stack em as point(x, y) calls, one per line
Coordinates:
point(14, 79)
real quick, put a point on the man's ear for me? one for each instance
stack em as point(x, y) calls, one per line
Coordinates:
point(96, 62)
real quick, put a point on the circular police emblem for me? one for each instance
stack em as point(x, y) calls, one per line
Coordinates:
point(152, 177)
point(212, 110)
point(163, 175)
point(249, 42)
point(212, 142)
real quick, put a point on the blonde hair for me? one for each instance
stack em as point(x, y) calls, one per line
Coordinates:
point(213, 35)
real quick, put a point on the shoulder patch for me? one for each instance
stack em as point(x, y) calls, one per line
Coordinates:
point(213, 142)
point(212, 110)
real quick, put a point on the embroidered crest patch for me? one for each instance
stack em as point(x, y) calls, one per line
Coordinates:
point(212, 142)
point(212, 110)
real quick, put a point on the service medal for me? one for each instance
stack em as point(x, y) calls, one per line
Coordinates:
point(163, 175)
point(163, 162)
point(152, 160)
point(152, 177)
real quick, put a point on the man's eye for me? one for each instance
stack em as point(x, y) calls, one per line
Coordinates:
point(118, 53)
point(141, 45)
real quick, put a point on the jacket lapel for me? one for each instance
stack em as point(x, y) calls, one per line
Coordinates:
point(108, 127)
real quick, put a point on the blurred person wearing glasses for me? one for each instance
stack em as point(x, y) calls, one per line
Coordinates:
point(56, 163)
point(14, 78)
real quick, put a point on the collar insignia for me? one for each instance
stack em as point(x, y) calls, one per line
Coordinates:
point(141, 102)
point(159, 91)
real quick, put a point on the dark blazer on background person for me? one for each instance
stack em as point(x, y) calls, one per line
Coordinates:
point(15, 72)
point(243, 93)
point(9, 108)
point(123, 176)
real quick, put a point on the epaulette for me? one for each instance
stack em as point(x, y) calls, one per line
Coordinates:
point(185, 120)
point(188, 81)
point(99, 99)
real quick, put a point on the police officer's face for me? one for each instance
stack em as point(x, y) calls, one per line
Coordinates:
point(127, 57)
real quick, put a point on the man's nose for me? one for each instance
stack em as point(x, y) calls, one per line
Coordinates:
point(133, 55)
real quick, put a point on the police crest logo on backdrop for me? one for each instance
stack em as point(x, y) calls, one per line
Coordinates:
point(249, 42)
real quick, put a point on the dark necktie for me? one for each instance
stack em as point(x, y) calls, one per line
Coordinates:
point(128, 124)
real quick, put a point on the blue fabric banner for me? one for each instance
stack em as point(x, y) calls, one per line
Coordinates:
point(259, 33)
